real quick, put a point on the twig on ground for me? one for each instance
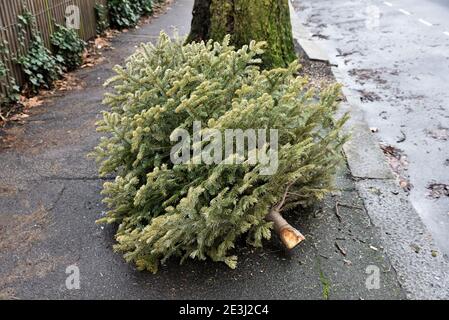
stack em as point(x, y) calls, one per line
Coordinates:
point(337, 212)
point(342, 251)
point(403, 138)
point(349, 206)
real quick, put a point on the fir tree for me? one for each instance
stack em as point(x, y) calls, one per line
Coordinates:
point(197, 210)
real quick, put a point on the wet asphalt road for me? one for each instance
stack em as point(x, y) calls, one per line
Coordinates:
point(394, 56)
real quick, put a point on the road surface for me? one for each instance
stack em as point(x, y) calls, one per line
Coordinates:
point(395, 56)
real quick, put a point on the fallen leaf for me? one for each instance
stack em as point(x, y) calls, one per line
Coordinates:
point(19, 116)
point(438, 190)
point(439, 134)
point(101, 43)
point(87, 65)
point(399, 164)
point(34, 102)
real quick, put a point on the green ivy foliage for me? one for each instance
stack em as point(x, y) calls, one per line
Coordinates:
point(68, 47)
point(126, 13)
point(102, 18)
point(143, 7)
point(11, 93)
point(3, 51)
point(196, 210)
point(41, 68)
point(122, 14)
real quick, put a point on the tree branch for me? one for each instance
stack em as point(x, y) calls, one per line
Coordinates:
point(290, 236)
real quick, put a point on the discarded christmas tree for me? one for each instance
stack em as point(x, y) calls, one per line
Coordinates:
point(195, 209)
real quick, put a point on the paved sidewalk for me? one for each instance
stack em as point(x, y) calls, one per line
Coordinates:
point(50, 199)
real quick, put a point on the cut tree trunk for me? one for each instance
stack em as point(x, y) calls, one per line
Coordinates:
point(246, 20)
point(290, 237)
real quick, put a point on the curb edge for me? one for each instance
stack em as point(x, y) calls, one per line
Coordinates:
point(421, 275)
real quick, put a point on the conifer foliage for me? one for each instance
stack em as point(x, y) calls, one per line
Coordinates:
point(197, 210)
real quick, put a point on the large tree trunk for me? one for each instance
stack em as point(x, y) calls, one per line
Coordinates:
point(246, 20)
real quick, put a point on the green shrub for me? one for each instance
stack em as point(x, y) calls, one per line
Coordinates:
point(123, 14)
point(102, 18)
point(3, 51)
point(41, 68)
point(68, 47)
point(197, 210)
point(143, 7)
point(11, 89)
point(126, 13)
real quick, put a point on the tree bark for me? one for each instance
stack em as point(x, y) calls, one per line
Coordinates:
point(246, 20)
point(289, 236)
